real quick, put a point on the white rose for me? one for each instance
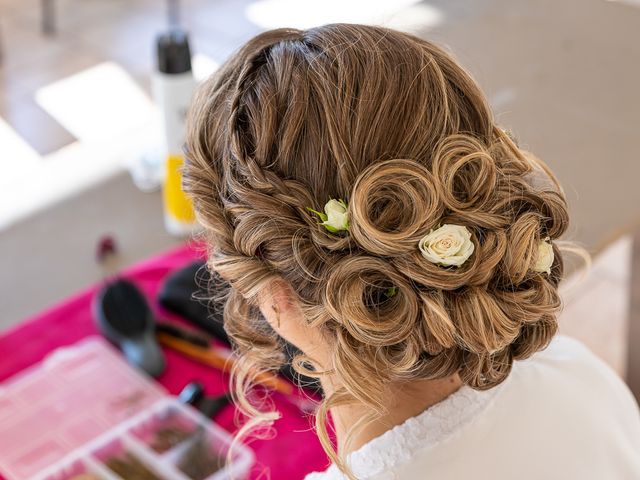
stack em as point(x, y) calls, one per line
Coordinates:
point(545, 257)
point(447, 245)
point(335, 215)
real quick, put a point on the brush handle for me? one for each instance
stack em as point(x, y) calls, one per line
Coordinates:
point(213, 358)
point(145, 353)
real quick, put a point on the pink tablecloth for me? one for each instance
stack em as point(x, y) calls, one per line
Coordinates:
point(294, 451)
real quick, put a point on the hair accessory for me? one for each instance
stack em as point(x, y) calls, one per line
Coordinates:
point(545, 256)
point(391, 291)
point(335, 216)
point(447, 245)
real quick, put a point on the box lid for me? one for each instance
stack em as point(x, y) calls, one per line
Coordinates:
point(71, 397)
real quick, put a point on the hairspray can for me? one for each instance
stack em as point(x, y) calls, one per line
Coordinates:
point(173, 87)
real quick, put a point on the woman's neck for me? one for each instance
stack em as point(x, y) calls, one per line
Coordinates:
point(404, 401)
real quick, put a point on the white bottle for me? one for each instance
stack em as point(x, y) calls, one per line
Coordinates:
point(173, 87)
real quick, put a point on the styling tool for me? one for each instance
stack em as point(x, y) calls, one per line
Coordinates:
point(182, 293)
point(221, 361)
point(193, 394)
point(125, 318)
point(192, 336)
point(123, 315)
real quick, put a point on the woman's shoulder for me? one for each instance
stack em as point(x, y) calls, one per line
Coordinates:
point(569, 390)
point(568, 406)
point(568, 371)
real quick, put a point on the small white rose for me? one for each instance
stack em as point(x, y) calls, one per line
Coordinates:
point(335, 216)
point(447, 245)
point(545, 257)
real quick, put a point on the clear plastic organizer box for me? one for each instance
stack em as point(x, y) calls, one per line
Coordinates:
point(84, 414)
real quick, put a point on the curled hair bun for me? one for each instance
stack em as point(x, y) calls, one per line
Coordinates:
point(393, 204)
point(479, 310)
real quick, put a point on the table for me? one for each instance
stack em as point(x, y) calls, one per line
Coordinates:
point(295, 450)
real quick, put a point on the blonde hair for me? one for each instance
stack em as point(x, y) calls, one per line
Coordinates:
point(393, 125)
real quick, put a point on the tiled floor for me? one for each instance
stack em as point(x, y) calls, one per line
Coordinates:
point(562, 75)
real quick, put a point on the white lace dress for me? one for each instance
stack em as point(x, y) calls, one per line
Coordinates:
point(561, 414)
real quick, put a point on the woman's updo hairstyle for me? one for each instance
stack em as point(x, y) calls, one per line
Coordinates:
point(390, 123)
